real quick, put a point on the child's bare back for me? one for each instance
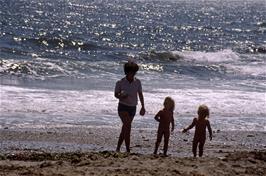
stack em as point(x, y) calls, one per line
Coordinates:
point(201, 124)
point(164, 117)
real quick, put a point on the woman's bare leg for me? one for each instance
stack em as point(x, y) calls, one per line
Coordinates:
point(125, 131)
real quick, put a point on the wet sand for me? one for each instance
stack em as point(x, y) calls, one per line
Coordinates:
point(89, 151)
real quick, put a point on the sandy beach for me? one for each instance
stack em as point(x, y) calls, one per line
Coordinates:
point(90, 151)
point(110, 163)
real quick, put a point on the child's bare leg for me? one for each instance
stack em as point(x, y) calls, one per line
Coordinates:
point(158, 141)
point(194, 148)
point(201, 145)
point(156, 147)
point(166, 141)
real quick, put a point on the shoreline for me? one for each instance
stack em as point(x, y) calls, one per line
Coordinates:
point(91, 139)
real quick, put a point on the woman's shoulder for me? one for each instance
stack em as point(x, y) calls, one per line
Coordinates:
point(121, 80)
point(137, 80)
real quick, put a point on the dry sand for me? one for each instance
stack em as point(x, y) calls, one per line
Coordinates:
point(88, 151)
point(110, 163)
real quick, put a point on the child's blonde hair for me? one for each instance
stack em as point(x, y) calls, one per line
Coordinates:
point(169, 103)
point(203, 111)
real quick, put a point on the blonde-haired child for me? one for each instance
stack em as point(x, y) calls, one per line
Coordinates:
point(165, 117)
point(200, 123)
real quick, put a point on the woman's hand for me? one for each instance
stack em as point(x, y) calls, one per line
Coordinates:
point(142, 111)
point(122, 95)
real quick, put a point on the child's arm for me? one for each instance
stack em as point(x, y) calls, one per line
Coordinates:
point(157, 116)
point(173, 123)
point(190, 126)
point(209, 129)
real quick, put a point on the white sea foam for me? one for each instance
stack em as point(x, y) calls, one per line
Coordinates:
point(56, 102)
point(253, 70)
point(212, 57)
point(223, 103)
point(233, 62)
point(37, 107)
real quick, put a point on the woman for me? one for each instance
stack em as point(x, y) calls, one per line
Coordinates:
point(127, 91)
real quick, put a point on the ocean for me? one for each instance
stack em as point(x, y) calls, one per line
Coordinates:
point(60, 60)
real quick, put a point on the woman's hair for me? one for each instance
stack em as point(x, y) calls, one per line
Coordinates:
point(203, 111)
point(131, 67)
point(169, 103)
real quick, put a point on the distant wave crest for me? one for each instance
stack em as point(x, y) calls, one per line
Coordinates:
point(195, 56)
point(224, 64)
point(58, 42)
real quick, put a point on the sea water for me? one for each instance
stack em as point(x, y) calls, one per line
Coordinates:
point(60, 60)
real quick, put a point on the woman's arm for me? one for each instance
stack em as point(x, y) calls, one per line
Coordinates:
point(120, 95)
point(117, 95)
point(117, 90)
point(141, 98)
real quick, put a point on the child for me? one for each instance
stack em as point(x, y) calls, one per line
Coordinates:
point(200, 132)
point(165, 117)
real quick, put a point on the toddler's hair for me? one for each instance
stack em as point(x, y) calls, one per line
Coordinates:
point(169, 103)
point(203, 111)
